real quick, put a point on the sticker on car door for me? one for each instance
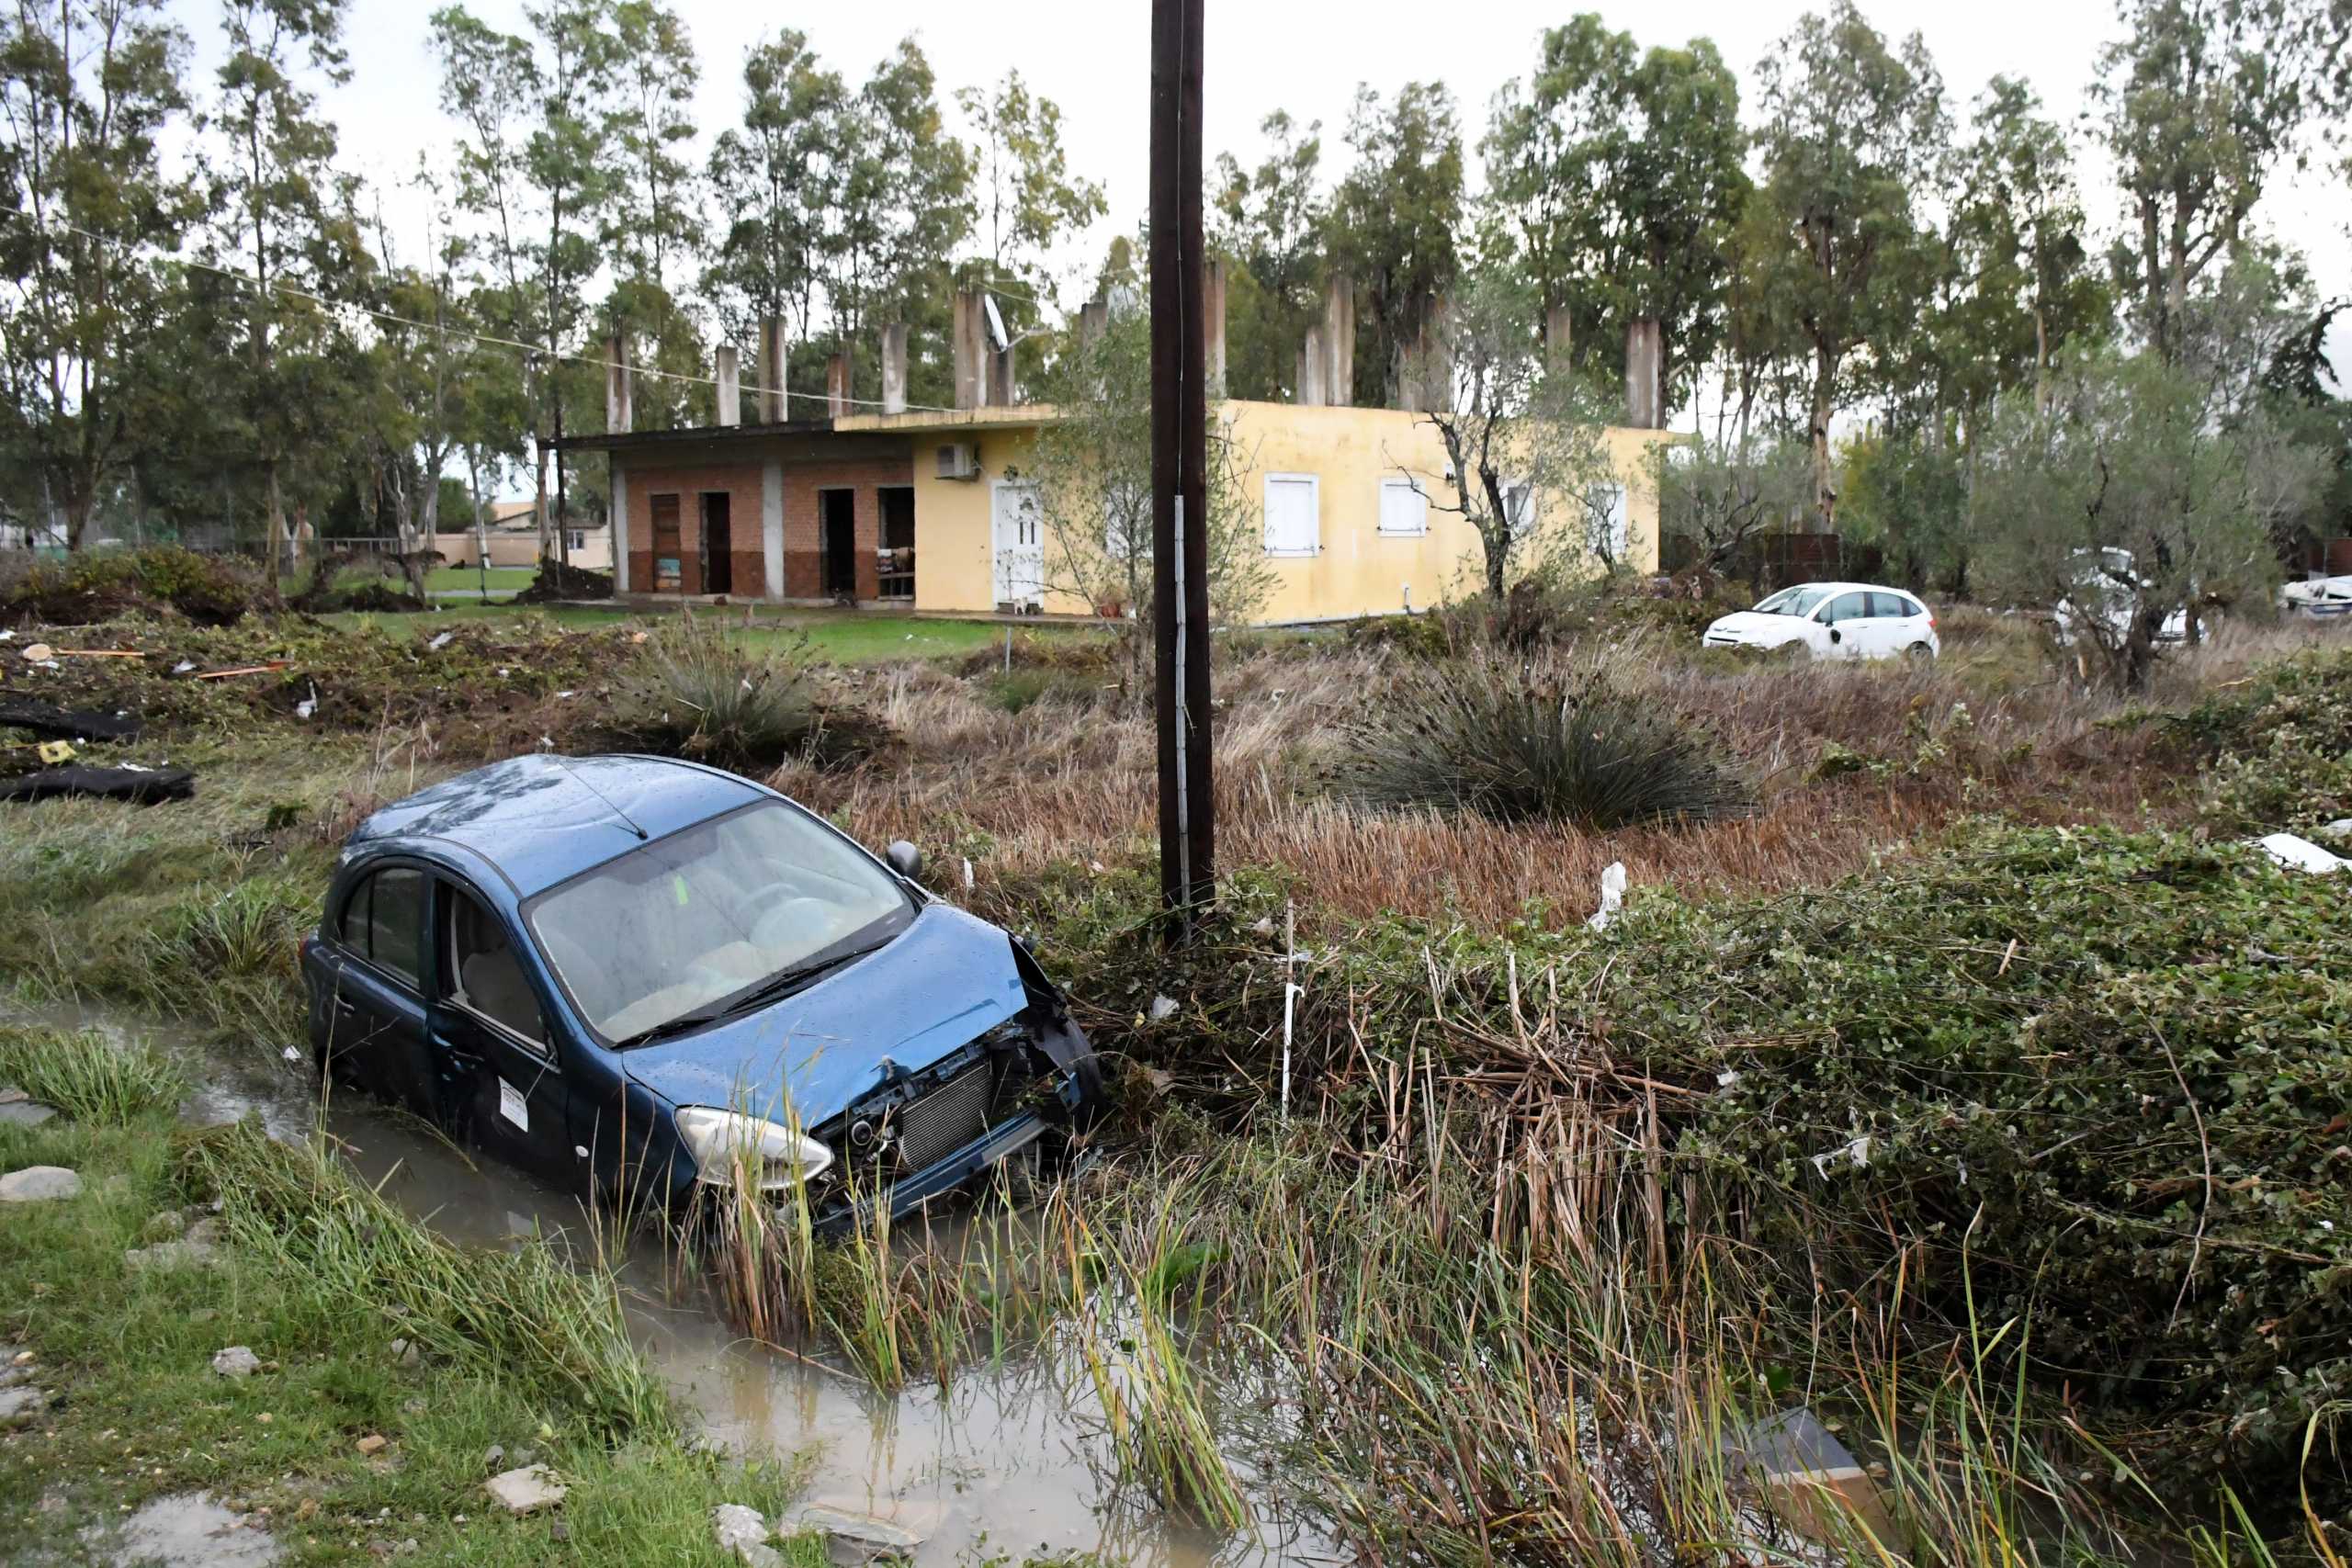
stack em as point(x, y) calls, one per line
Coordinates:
point(512, 1106)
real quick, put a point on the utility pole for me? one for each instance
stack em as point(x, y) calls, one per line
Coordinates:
point(1180, 556)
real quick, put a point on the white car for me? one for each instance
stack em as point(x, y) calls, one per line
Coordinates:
point(2325, 596)
point(1834, 620)
point(2108, 587)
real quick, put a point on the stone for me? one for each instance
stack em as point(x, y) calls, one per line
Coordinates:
point(39, 1184)
point(12, 1095)
point(406, 1353)
point(850, 1539)
point(187, 1530)
point(525, 1490)
point(373, 1443)
point(743, 1535)
point(236, 1361)
point(496, 1457)
point(200, 1248)
point(25, 1113)
point(21, 1404)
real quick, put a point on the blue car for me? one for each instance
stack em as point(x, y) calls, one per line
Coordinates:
point(638, 977)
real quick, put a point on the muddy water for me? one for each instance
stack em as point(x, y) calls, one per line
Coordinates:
point(1010, 1459)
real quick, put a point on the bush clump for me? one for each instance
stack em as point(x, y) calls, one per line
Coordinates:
point(2280, 744)
point(86, 1074)
point(98, 585)
point(693, 692)
point(1534, 744)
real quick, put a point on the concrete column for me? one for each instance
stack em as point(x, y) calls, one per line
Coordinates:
point(1644, 373)
point(837, 394)
point(772, 525)
point(730, 386)
point(970, 350)
point(772, 369)
point(1003, 389)
point(1340, 340)
point(1094, 321)
point(1313, 364)
point(618, 413)
point(1559, 338)
point(619, 482)
point(1437, 357)
point(894, 367)
point(1213, 323)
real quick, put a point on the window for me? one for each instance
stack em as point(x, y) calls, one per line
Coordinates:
point(1519, 504)
point(383, 922)
point(1845, 607)
point(481, 972)
point(1403, 508)
point(1892, 607)
point(576, 538)
point(1294, 515)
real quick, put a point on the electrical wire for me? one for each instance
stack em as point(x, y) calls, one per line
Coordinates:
point(486, 339)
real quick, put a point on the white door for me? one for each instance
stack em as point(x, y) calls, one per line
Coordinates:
point(1018, 545)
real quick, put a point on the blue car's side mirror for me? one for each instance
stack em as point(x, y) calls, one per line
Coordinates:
point(905, 859)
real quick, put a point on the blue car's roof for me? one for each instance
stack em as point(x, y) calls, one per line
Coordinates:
point(540, 818)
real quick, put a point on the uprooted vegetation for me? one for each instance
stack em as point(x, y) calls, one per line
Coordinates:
point(1974, 1085)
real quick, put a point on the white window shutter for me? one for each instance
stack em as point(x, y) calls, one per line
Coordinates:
point(1404, 509)
point(1294, 526)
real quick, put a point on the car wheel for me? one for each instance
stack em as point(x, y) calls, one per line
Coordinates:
point(1921, 650)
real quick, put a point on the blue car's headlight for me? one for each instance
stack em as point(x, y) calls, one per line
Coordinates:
point(720, 1141)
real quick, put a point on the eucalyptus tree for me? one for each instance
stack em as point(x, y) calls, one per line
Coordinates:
point(283, 220)
point(2205, 101)
point(1268, 224)
point(776, 176)
point(1852, 128)
point(1615, 179)
point(1395, 225)
point(88, 89)
point(1027, 199)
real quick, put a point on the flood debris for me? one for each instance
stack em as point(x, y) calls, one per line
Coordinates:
point(525, 1490)
point(124, 781)
point(1810, 1481)
point(67, 723)
point(1612, 896)
point(39, 1184)
point(2297, 853)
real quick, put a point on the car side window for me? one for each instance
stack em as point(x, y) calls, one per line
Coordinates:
point(1845, 607)
point(1890, 606)
point(383, 922)
point(481, 972)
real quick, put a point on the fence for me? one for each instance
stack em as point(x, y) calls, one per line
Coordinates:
point(1768, 562)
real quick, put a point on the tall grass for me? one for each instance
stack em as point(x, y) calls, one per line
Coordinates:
point(86, 1076)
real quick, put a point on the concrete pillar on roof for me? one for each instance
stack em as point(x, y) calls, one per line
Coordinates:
point(894, 367)
point(1559, 338)
point(970, 350)
point(837, 403)
point(1094, 321)
point(1340, 340)
point(730, 375)
point(1313, 364)
point(1004, 388)
point(618, 416)
point(1213, 324)
point(1644, 373)
point(772, 370)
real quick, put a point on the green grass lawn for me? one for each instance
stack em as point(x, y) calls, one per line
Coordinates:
point(498, 579)
point(845, 637)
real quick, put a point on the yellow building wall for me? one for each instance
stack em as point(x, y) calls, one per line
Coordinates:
point(1356, 569)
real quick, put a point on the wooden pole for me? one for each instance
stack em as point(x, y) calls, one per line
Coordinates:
point(1179, 465)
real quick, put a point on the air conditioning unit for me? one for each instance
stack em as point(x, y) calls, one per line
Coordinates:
point(959, 460)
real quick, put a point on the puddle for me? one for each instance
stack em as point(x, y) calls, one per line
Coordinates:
point(1011, 1458)
point(185, 1531)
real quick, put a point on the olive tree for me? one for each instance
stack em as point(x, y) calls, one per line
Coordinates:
point(1092, 468)
point(2126, 506)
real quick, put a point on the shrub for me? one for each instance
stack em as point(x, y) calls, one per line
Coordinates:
point(1534, 744)
point(98, 585)
point(692, 692)
point(2280, 744)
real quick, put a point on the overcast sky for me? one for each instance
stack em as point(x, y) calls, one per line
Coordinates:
point(1303, 57)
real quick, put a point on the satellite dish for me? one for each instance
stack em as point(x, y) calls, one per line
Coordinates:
point(996, 335)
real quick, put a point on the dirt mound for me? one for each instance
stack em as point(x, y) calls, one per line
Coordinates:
point(558, 582)
point(93, 586)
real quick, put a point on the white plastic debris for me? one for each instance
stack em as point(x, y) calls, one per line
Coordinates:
point(309, 704)
point(184, 666)
point(1855, 1153)
point(291, 1054)
point(1612, 896)
point(440, 641)
point(2300, 854)
point(2337, 832)
point(1161, 1010)
point(968, 873)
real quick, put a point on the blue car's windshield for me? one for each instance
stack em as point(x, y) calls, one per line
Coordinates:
point(692, 919)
